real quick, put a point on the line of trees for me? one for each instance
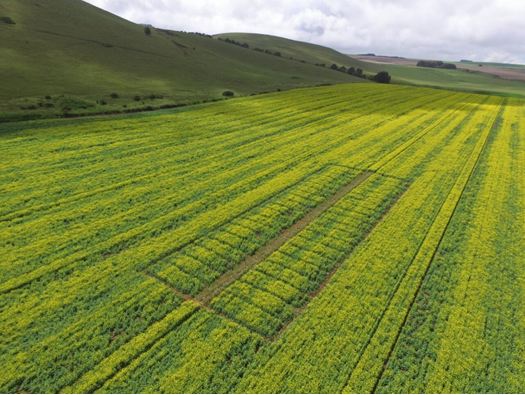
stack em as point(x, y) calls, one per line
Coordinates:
point(382, 77)
point(234, 42)
point(436, 64)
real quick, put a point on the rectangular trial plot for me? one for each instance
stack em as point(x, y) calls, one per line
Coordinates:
point(198, 264)
point(272, 292)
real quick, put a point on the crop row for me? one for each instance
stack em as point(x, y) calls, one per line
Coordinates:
point(467, 314)
point(77, 294)
point(90, 217)
point(131, 160)
point(69, 294)
point(371, 364)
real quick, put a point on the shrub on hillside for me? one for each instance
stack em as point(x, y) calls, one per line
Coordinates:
point(114, 95)
point(382, 77)
point(7, 20)
point(228, 94)
point(356, 72)
point(147, 31)
point(29, 107)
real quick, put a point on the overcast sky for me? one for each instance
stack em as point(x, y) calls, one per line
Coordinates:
point(485, 30)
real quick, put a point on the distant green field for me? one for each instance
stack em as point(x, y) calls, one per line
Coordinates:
point(496, 64)
point(454, 79)
point(66, 56)
point(352, 238)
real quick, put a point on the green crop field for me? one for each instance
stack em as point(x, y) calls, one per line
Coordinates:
point(347, 238)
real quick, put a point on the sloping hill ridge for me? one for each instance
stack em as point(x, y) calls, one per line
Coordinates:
point(298, 50)
point(69, 47)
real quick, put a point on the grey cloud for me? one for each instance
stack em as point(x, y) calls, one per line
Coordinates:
point(443, 29)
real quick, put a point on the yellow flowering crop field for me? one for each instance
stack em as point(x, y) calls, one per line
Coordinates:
point(346, 238)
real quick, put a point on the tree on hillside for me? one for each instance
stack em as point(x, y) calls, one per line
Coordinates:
point(351, 70)
point(359, 73)
point(382, 77)
point(7, 20)
point(334, 67)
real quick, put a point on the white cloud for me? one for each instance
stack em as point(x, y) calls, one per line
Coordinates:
point(441, 29)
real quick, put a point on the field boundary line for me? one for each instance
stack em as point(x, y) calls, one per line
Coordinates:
point(206, 295)
point(374, 169)
point(202, 305)
point(311, 295)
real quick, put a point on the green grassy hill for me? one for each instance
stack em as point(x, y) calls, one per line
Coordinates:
point(71, 48)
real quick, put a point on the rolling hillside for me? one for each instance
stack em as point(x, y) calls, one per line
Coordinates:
point(71, 48)
point(402, 74)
